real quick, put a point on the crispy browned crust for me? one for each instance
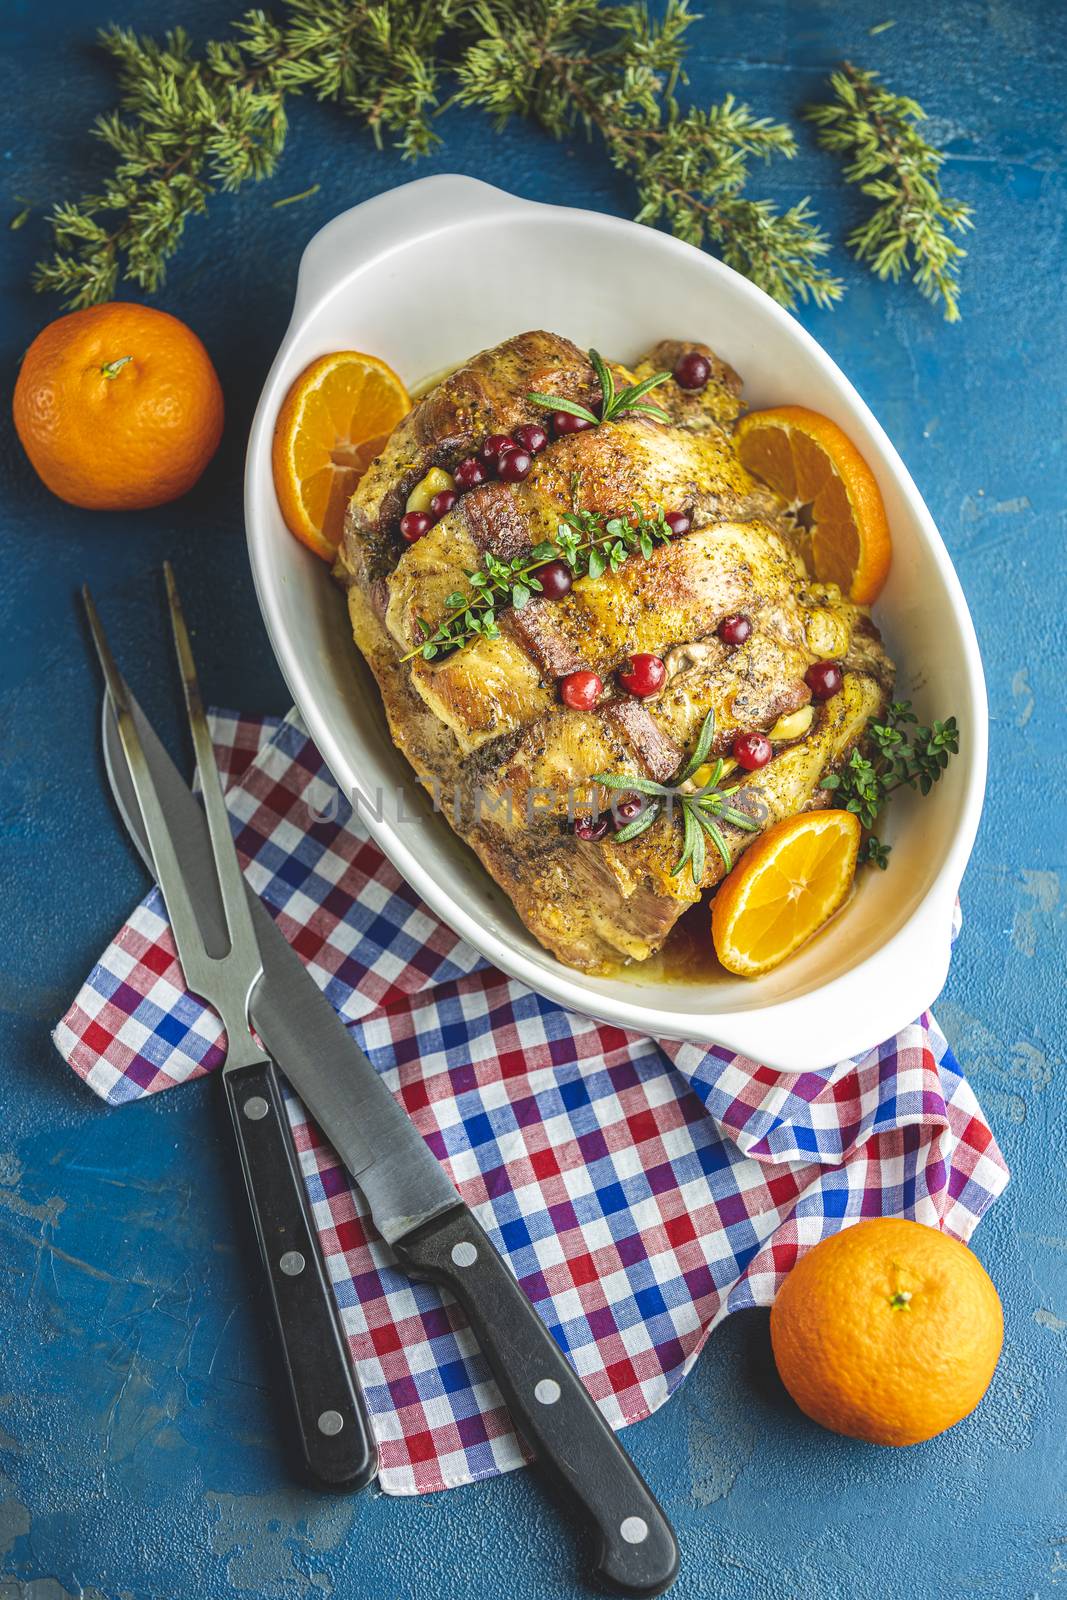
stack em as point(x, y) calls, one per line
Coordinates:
point(487, 723)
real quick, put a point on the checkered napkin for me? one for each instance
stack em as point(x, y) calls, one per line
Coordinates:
point(640, 1191)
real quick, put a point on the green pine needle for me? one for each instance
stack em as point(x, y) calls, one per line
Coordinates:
point(190, 125)
point(910, 227)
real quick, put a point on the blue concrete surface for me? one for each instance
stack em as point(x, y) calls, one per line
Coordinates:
point(138, 1455)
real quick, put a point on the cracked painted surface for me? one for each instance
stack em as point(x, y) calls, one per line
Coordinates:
point(139, 1458)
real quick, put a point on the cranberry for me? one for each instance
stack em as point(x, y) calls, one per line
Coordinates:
point(581, 690)
point(752, 751)
point(591, 828)
point(532, 437)
point(470, 473)
point(734, 629)
point(677, 521)
point(514, 465)
point(555, 580)
point(627, 810)
point(442, 502)
point(494, 447)
point(642, 675)
point(413, 524)
point(567, 422)
point(692, 370)
point(824, 679)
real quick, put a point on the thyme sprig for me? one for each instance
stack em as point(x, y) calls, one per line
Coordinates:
point(908, 230)
point(613, 403)
point(588, 543)
point(699, 807)
point(895, 754)
point(192, 124)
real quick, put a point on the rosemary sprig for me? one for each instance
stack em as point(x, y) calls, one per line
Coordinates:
point(895, 759)
point(700, 807)
point(895, 165)
point(613, 404)
point(589, 544)
point(193, 124)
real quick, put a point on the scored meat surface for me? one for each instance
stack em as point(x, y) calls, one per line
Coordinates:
point(486, 723)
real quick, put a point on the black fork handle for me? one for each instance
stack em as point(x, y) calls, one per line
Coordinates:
point(336, 1442)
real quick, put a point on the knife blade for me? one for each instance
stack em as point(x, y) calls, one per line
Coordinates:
point(415, 1207)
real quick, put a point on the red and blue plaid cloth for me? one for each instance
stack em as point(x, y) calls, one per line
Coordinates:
point(640, 1191)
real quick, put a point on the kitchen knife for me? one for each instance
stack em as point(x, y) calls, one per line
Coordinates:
point(414, 1206)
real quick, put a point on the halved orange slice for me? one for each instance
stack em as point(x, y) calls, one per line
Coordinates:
point(333, 422)
point(783, 889)
point(815, 467)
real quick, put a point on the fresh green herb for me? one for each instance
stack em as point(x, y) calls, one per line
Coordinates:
point(612, 404)
point(589, 544)
point(700, 807)
point(191, 125)
point(291, 199)
point(893, 164)
point(895, 754)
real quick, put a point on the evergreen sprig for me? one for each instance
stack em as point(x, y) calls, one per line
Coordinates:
point(895, 754)
point(190, 124)
point(910, 227)
point(613, 71)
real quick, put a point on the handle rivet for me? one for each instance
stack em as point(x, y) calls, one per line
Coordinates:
point(255, 1108)
point(547, 1390)
point(292, 1263)
point(332, 1422)
point(634, 1530)
point(464, 1254)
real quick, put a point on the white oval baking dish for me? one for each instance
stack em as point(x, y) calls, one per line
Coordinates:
point(424, 276)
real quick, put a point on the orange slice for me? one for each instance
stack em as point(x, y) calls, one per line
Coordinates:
point(822, 477)
point(783, 889)
point(333, 422)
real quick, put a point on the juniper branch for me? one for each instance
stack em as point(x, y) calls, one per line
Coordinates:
point(908, 231)
point(190, 125)
point(613, 71)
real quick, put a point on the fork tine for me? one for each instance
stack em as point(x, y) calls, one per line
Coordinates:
point(230, 878)
point(116, 687)
point(168, 872)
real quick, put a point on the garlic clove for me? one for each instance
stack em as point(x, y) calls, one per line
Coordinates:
point(435, 480)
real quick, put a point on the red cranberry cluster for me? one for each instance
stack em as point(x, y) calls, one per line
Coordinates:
point(507, 456)
point(640, 675)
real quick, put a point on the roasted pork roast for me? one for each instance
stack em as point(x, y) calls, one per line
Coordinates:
point(486, 726)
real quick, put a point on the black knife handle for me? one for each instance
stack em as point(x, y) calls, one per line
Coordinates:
point(335, 1437)
point(548, 1401)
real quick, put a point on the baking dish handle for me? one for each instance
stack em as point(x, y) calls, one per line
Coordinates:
point(845, 1022)
point(398, 217)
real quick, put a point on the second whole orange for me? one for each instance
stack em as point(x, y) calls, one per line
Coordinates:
point(888, 1331)
point(118, 407)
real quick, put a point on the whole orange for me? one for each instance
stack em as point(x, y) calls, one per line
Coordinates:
point(888, 1331)
point(118, 407)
